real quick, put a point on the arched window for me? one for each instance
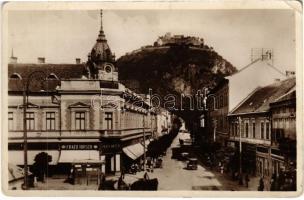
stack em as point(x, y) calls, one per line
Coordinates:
point(16, 76)
point(53, 76)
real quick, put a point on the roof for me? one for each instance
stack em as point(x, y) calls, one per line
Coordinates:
point(260, 99)
point(288, 97)
point(62, 71)
point(101, 51)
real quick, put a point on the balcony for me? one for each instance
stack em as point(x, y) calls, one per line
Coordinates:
point(251, 140)
point(74, 134)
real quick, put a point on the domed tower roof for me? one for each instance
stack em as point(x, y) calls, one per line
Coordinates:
point(101, 51)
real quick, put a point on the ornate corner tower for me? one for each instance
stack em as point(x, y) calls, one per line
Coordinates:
point(101, 61)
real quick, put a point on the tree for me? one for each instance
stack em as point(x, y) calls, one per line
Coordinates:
point(41, 165)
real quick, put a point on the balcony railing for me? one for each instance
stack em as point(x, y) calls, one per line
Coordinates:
point(251, 140)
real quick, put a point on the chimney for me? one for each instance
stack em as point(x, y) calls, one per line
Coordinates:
point(290, 73)
point(78, 60)
point(277, 80)
point(41, 60)
point(13, 59)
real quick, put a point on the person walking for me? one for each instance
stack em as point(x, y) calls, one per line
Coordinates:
point(261, 185)
point(247, 180)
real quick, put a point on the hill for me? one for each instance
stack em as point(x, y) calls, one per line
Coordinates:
point(174, 69)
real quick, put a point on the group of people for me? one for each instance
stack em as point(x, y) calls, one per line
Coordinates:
point(150, 165)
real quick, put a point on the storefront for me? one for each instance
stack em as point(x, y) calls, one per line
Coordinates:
point(111, 155)
point(87, 172)
point(74, 152)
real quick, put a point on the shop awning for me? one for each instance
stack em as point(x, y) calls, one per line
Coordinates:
point(70, 156)
point(134, 151)
point(15, 172)
point(17, 157)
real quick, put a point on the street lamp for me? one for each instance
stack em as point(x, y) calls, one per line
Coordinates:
point(144, 137)
point(25, 104)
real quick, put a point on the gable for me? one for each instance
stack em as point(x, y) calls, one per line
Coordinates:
point(79, 105)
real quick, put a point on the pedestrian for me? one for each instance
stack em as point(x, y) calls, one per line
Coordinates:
point(146, 176)
point(247, 180)
point(261, 185)
point(222, 169)
point(123, 172)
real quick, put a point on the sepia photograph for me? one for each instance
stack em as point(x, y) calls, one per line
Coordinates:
point(117, 98)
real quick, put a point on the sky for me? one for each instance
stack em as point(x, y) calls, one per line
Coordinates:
point(62, 36)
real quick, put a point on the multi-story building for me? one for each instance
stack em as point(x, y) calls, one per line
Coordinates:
point(232, 90)
point(82, 113)
point(251, 125)
point(283, 136)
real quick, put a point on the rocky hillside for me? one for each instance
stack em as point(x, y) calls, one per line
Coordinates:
point(173, 69)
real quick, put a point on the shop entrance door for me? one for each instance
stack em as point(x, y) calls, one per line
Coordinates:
point(109, 168)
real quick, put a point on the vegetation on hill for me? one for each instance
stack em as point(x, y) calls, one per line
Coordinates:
point(174, 69)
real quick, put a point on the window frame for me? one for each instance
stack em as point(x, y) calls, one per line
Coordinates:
point(80, 120)
point(50, 121)
point(109, 120)
point(30, 121)
point(262, 129)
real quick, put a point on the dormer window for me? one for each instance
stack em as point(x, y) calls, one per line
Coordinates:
point(16, 76)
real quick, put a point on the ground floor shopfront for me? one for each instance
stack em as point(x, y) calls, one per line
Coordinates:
point(111, 155)
point(248, 157)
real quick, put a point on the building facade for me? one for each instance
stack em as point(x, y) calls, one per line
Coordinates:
point(251, 124)
point(78, 112)
point(232, 90)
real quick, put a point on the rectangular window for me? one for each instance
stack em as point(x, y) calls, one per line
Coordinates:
point(247, 129)
point(262, 130)
point(242, 129)
point(109, 120)
point(80, 120)
point(30, 121)
point(287, 123)
point(267, 131)
point(221, 101)
point(10, 121)
point(50, 120)
point(253, 129)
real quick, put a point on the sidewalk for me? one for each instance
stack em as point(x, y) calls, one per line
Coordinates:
point(228, 183)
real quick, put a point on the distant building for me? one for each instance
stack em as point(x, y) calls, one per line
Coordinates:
point(168, 40)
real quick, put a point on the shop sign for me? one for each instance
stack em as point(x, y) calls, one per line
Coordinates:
point(74, 146)
point(110, 147)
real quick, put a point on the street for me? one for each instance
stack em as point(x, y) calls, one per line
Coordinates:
point(174, 176)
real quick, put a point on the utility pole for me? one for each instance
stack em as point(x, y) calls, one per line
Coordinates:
point(240, 147)
point(25, 184)
point(25, 103)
